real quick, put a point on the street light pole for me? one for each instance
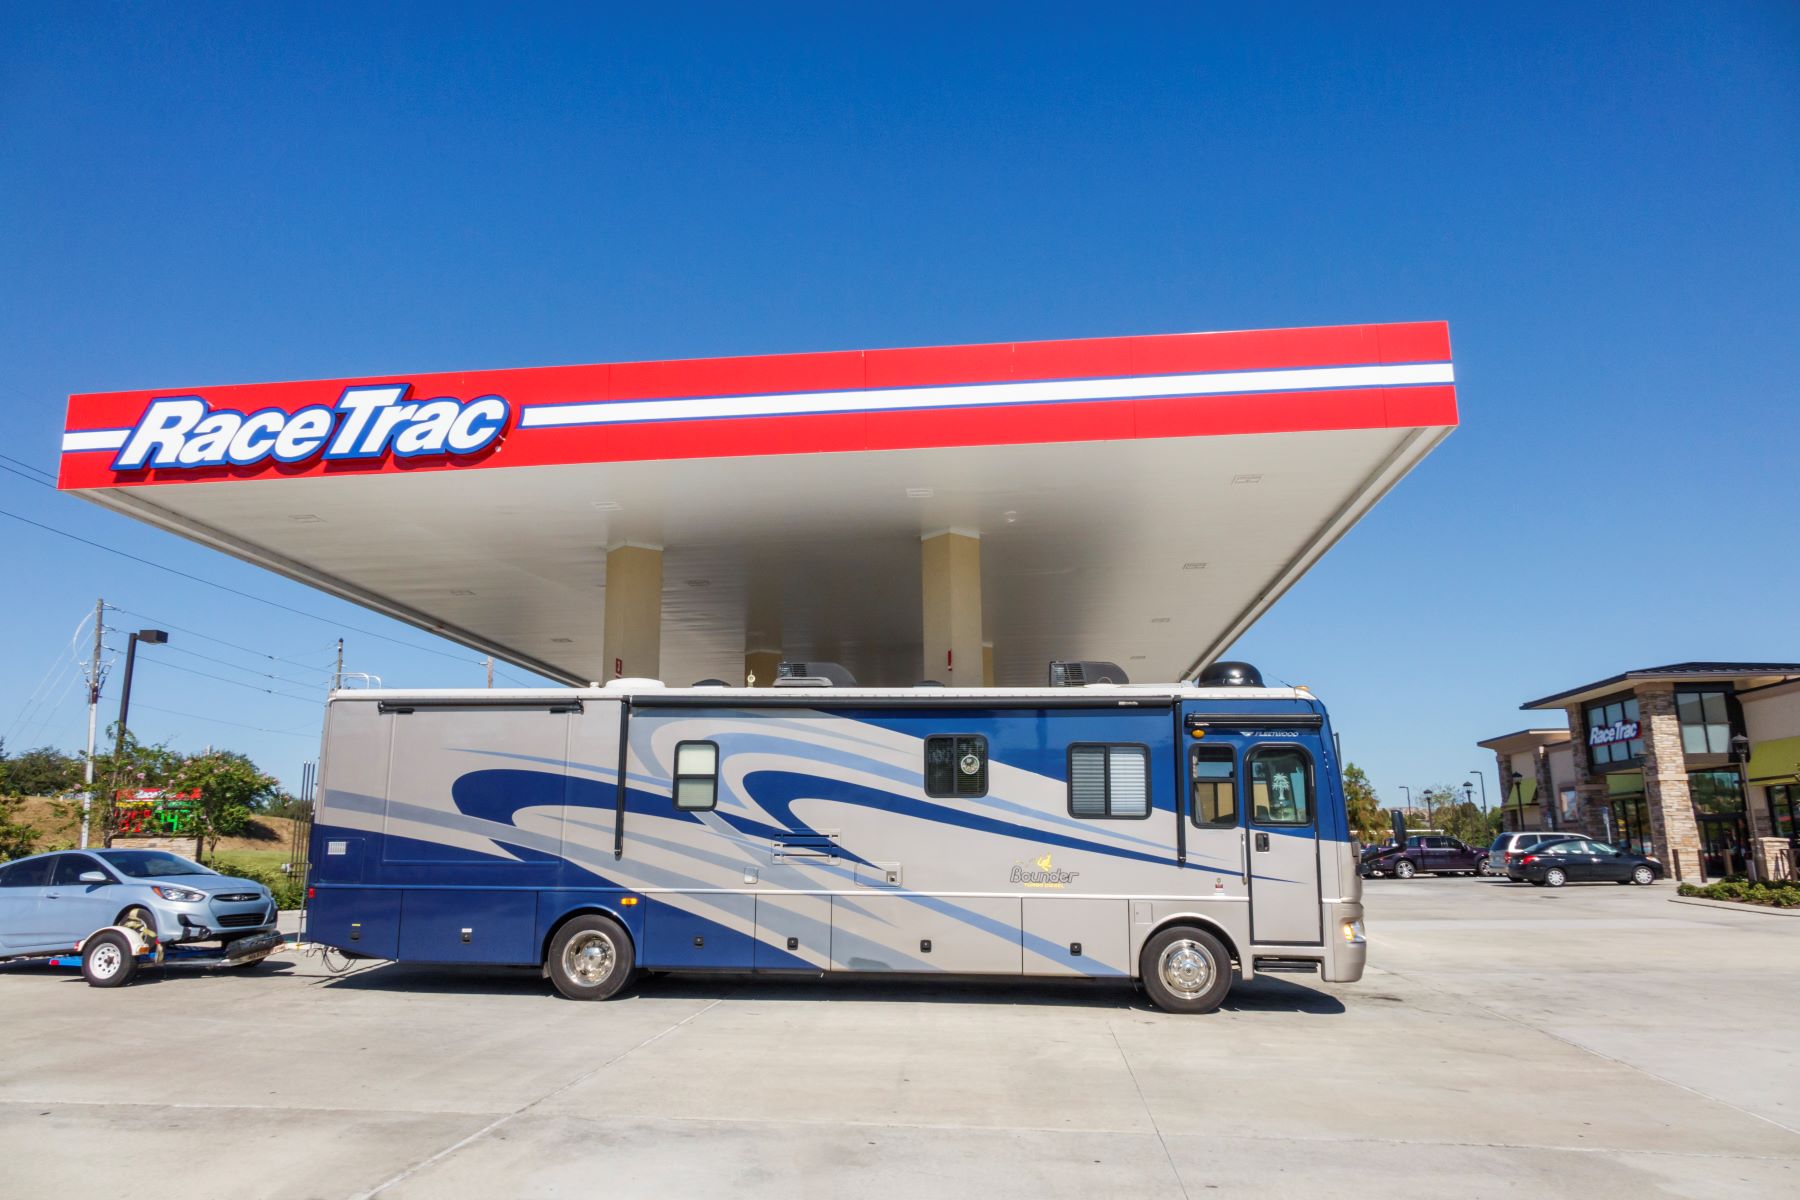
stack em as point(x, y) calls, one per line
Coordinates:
point(1482, 780)
point(1519, 794)
point(154, 637)
point(1408, 791)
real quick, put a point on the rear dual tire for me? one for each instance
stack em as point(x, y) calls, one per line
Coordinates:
point(591, 958)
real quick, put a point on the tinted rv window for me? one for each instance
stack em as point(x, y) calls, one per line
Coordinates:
point(696, 775)
point(1109, 781)
point(956, 765)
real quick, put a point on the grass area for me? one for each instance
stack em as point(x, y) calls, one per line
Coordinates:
point(232, 862)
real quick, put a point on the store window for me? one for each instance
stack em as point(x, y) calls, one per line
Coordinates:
point(1716, 793)
point(1784, 811)
point(1705, 725)
point(1614, 732)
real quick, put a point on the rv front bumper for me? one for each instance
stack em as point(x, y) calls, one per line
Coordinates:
point(1346, 948)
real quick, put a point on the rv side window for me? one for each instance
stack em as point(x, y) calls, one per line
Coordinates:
point(1280, 786)
point(1215, 786)
point(956, 765)
point(1109, 781)
point(696, 775)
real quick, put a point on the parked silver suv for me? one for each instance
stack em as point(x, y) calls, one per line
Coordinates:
point(1514, 844)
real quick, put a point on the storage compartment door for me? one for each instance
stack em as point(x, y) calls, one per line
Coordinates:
point(470, 925)
point(359, 920)
point(793, 931)
point(1075, 935)
point(878, 931)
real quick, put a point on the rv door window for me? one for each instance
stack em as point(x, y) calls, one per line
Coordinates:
point(696, 775)
point(1109, 781)
point(1280, 787)
point(956, 765)
point(1215, 786)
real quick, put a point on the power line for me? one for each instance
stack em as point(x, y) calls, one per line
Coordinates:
point(234, 682)
point(27, 478)
point(299, 733)
point(162, 624)
point(247, 670)
point(299, 612)
point(17, 462)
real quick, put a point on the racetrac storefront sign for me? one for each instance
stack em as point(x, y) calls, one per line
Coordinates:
point(1347, 377)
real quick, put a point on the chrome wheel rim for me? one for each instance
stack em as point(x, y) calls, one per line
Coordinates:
point(106, 961)
point(1554, 878)
point(589, 957)
point(1186, 968)
point(1641, 875)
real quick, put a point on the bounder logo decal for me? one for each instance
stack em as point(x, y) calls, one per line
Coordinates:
point(1041, 873)
point(185, 432)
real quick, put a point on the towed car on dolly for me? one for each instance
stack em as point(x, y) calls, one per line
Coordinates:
point(1582, 860)
point(138, 902)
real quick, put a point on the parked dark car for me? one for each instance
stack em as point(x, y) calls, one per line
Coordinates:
point(1426, 854)
point(1582, 860)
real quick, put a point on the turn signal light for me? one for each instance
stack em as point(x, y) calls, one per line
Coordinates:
point(628, 901)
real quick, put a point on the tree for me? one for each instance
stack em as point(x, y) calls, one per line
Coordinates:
point(1367, 822)
point(44, 771)
point(231, 790)
point(16, 837)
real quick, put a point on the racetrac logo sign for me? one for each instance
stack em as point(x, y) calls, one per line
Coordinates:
point(368, 422)
point(1618, 731)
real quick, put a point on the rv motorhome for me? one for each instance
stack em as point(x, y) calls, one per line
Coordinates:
point(1177, 835)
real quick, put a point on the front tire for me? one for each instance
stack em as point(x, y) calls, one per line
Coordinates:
point(1404, 869)
point(1643, 876)
point(1185, 970)
point(591, 958)
point(1555, 877)
point(108, 959)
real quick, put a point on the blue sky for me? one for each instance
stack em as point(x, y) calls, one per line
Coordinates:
point(1605, 205)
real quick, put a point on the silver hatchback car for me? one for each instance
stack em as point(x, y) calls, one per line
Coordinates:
point(49, 902)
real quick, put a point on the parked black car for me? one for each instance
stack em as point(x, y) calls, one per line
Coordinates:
point(1425, 854)
point(1581, 860)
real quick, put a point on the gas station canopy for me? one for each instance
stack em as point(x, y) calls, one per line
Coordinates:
point(961, 513)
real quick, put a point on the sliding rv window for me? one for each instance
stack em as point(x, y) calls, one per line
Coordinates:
point(956, 765)
point(696, 776)
point(1109, 782)
point(1214, 771)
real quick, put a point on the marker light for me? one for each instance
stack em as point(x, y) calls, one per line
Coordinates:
point(1353, 932)
point(628, 901)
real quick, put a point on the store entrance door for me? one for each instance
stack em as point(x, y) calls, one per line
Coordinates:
point(1724, 843)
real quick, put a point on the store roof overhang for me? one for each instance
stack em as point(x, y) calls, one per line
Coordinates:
point(1138, 499)
point(1745, 675)
point(1525, 739)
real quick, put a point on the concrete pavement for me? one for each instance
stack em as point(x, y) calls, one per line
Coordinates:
point(1507, 1040)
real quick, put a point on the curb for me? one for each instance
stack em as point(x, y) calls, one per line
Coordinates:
point(1735, 906)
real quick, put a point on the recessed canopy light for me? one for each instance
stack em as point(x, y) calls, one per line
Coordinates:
point(1246, 479)
point(306, 518)
point(1011, 515)
point(1159, 620)
point(562, 641)
point(1136, 657)
point(920, 493)
point(1193, 566)
point(698, 583)
point(461, 592)
point(606, 505)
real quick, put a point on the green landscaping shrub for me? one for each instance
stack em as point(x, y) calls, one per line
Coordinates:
point(1771, 895)
point(289, 891)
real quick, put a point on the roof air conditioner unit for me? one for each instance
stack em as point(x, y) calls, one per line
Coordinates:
point(813, 674)
point(1082, 672)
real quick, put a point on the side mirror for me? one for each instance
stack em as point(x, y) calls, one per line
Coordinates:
point(94, 877)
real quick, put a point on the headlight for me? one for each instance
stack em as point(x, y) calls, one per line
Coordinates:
point(179, 894)
point(1353, 932)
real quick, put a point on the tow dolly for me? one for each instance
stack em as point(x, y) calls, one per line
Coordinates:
point(110, 957)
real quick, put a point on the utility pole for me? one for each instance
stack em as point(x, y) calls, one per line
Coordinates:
point(93, 682)
point(490, 670)
point(337, 676)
